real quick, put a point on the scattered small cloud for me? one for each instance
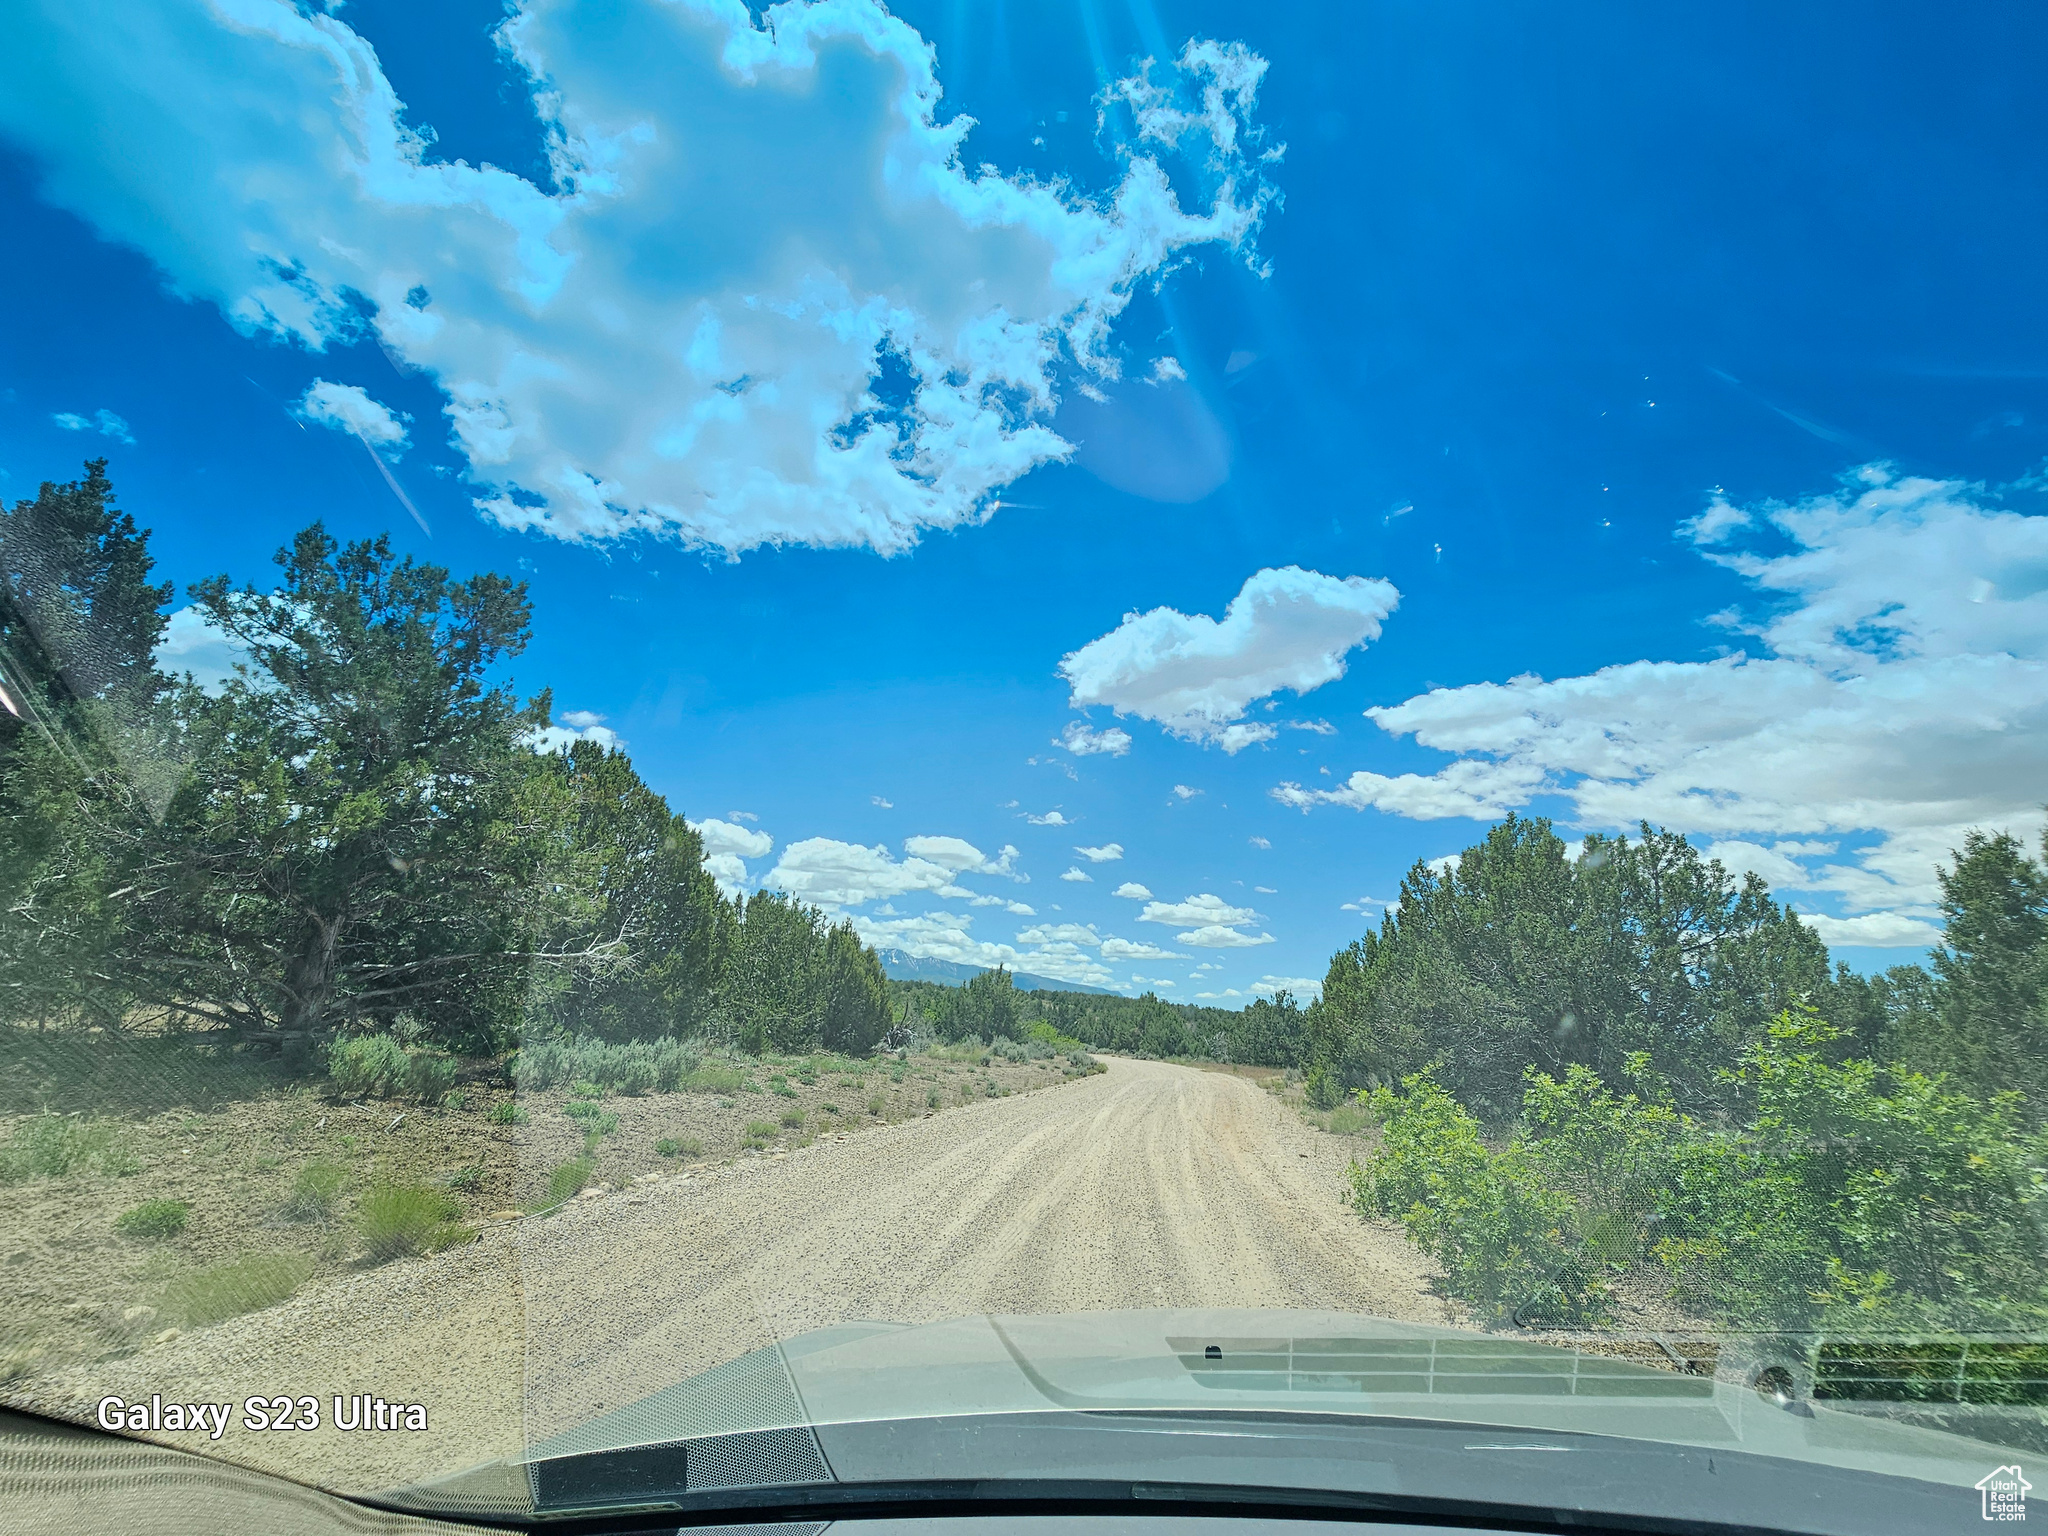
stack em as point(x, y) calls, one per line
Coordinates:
point(1260, 842)
point(1166, 369)
point(1077, 874)
point(1133, 891)
point(741, 816)
point(106, 423)
point(1107, 853)
point(1083, 740)
point(1185, 792)
point(1049, 819)
point(1265, 890)
point(885, 804)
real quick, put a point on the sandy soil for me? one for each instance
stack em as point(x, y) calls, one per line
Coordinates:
point(1150, 1185)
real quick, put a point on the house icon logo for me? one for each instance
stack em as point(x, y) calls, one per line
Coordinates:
point(2005, 1494)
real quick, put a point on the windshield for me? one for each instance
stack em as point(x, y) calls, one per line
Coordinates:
point(719, 720)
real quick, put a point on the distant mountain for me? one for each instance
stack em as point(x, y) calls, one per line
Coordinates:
point(950, 973)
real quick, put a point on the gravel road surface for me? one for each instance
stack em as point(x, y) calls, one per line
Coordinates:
point(1149, 1185)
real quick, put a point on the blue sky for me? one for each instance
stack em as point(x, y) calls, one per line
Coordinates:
point(1641, 412)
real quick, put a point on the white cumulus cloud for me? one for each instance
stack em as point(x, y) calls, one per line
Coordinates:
point(1107, 853)
point(829, 873)
point(1132, 890)
point(1300, 986)
point(1215, 936)
point(1078, 875)
point(1287, 628)
point(1897, 697)
point(1877, 930)
point(1049, 819)
point(1130, 949)
point(1201, 909)
point(725, 837)
point(727, 847)
point(804, 363)
point(347, 408)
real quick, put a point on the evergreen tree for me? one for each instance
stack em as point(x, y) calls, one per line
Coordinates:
point(1992, 966)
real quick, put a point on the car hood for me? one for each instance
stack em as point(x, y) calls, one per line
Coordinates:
point(760, 1417)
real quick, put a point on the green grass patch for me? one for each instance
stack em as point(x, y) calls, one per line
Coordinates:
point(64, 1146)
point(1349, 1119)
point(154, 1219)
point(314, 1191)
point(793, 1118)
point(679, 1146)
point(510, 1112)
point(713, 1077)
point(222, 1291)
point(568, 1180)
point(875, 1104)
point(396, 1220)
point(761, 1129)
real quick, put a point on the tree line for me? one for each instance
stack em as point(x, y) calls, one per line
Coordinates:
point(358, 830)
point(1640, 954)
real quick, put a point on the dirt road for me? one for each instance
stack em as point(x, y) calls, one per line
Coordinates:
point(1147, 1186)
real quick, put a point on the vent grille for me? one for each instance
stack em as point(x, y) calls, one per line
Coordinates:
point(761, 1458)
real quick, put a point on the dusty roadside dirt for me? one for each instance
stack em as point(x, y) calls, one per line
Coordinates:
point(1150, 1185)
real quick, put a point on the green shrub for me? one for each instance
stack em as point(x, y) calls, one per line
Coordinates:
point(428, 1077)
point(874, 1104)
point(679, 1146)
point(222, 1291)
point(154, 1219)
point(761, 1129)
point(1322, 1089)
point(508, 1112)
point(58, 1146)
point(754, 1144)
point(931, 1098)
point(1855, 1196)
point(793, 1118)
point(395, 1220)
point(1505, 1239)
point(585, 1110)
point(468, 1180)
point(830, 1109)
point(365, 1065)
